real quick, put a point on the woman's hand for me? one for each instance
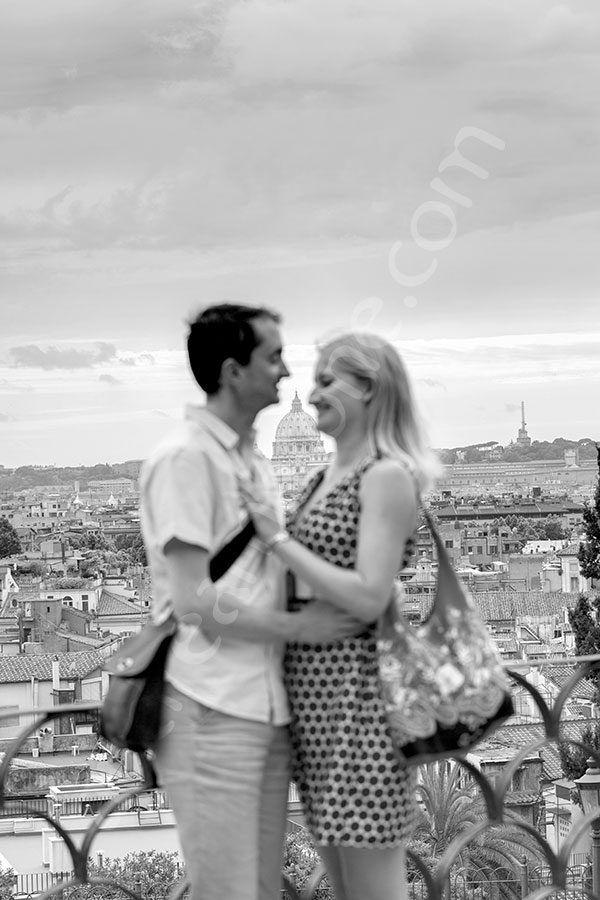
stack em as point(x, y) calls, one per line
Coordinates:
point(262, 510)
point(322, 623)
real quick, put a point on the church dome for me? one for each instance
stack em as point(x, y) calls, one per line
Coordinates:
point(298, 449)
point(297, 424)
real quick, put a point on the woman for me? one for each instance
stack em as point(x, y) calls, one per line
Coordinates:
point(350, 534)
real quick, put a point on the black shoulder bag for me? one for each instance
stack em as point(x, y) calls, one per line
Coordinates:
point(130, 714)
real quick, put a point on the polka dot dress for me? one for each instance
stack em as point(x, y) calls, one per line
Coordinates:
point(354, 790)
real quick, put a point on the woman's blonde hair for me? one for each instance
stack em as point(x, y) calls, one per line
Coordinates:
point(394, 423)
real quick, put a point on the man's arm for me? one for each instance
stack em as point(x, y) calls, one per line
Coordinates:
point(197, 601)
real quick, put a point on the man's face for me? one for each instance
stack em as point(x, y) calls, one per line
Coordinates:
point(266, 366)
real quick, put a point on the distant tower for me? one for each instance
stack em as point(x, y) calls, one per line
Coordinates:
point(523, 439)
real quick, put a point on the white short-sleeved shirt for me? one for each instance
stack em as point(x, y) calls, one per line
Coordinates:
point(190, 491)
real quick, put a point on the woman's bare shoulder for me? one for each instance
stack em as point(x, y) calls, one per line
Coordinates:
point(388, 474)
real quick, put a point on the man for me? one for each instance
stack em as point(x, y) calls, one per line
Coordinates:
point(223, 750)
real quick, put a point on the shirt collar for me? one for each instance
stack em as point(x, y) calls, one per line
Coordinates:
point(219, 429)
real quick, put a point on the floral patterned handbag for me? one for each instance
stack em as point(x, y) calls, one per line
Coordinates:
point(443, 683)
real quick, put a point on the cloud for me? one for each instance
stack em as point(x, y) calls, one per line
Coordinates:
point(271, 72)
point(77, 216)
point(109, 379)
point(506, 359)
point(82, 55)
point(10, 387)
point(432, 383)
point(35, 357)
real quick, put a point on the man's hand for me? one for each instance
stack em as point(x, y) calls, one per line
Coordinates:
point(320, 622)
point(262, 510)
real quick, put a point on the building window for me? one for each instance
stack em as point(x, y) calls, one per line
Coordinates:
point(517, 780)
point(85, 596)
point(449, 545)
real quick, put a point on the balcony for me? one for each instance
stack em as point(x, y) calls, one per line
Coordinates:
point(518, 805)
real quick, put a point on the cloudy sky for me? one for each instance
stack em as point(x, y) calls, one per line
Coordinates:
point(427, 171)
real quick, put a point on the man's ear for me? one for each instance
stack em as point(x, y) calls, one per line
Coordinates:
point(230, 370)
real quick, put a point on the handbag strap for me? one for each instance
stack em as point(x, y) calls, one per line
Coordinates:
point(450, 590)
point(228, 554)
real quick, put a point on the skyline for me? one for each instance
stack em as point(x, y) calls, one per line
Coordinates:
point(430, 175)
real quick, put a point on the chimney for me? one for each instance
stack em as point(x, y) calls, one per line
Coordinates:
point(55, 674)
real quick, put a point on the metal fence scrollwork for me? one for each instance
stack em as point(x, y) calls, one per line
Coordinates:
point(500, 850)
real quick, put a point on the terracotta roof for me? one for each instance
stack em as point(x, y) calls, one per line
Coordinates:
point(24, 595)
point(71, 666)
point(521, 798)
point(511, 736)
point(571, 549)
point(539, 650)
point(506, 643)
point(469, 510)
point(559, 675)
point(85, 640)
point(576, 710)
point(114, 605)
point(499, 606)
point(79, 613)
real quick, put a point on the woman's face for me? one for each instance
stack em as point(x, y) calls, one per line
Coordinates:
point(338, 397)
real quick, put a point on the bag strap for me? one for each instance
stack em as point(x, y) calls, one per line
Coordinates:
point(450, 590)
point(453, 591)
point(227, 555)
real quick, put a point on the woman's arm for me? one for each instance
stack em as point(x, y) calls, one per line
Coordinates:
point(218, 613)
point(388, 518)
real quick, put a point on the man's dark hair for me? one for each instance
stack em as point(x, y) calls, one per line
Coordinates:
point(222, 332)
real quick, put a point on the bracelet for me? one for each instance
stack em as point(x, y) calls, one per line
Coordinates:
point(280, 537)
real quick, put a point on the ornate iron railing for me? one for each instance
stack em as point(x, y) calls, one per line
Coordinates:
point(545, 872)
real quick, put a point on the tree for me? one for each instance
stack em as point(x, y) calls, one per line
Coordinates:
point(589, 550)
point(553, 529)
point(586, 631)
point(32, 567)
point(448, 809)
point(300, 861)
point(95, 542)
point(133, 546)
point(102, 561)
point(153, 873)
point(7, 878)
point(574, 759)
point(10, 545)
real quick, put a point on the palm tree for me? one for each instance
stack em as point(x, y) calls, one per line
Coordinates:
point(449, 806)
